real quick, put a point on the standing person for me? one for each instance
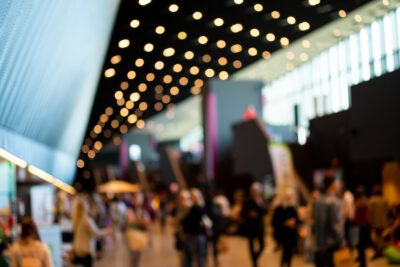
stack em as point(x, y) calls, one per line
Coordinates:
point(29, 251)
point(216, 216)
point(379, 218)
point(348, 215)
point(286, 220)
point(362, 219)
point(327, 225)
point(85, 234)
point(253, 213)
point(137, 218)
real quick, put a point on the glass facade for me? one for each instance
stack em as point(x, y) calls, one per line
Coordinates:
point(322, 85)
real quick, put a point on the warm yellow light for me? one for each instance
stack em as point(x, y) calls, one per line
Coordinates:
point(258, 7)
point(12, 158)
point(159, 89)
point(174, 90)
point(129, 104)
point(304, 26)
point(202, 39)
point(166, 99)
point(306, 43)
point(303, 57)
point(314, 2)
point(236, 48)
point(168, 52)
point(254, 32)
point(167, 79)
point(120, 102)
point(289, 66)
point(159, 65)
point(218, 22)
point(143, 106)
point(290, 55)
point(115, 124)
point(222, 61)
point(177, 67)
point(195, 90)
point(270, 37)
point(238, 2)
point(198, 83)
point(140, 124)
point(131, 75)
point(197, 15)
point(206, 58)
point(109, 73)
point(124, 85)
point(109, 111)
point(160, 29)
point(132, 118)
point(98, 145)
point(107, 133)
point(144, 2)
point(139, 62)
point(209, 73)
point(237, 64)
point(124, 112)
point(158, 106)
point(183, 81)
point(266, 54)
point(275, 14)
point(223, 75)
point(148, 47)
point(134, 96)
point(252, 51)
point(134, 23)
point(116, 59)
point(118, 95)
point(104, 118)
point(173, 8)
point(194, 70)
point(358, 18)
point(284, 42)
point(41, 174)
point(85, 149)
point(291, 20)
point(221, 44)
point(123, 128)
point(142, 87)
point(80, 164)
point(182, 35)
point(189, 55)
point(124, 43)
point(342, 13)
point(150, 77)
point(235, 28)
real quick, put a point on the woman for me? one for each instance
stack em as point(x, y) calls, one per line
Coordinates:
point(139, 220)
point(29, 251)
point(85, 234)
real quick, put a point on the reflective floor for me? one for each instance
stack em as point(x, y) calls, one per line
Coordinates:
point(162, 253)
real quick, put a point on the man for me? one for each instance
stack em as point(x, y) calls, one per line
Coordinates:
point(327, 223)
point(379, 218)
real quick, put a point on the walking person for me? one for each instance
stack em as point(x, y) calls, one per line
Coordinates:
point(348, 216)
point(327, 227)
point(253, 213)
point(362, 219)
point(29, 251)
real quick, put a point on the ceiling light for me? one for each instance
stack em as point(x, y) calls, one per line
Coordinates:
point(131, 75)
point(183, 81)
point(385, 2)
point(124, 43)
point(123, 128)
point(304, 26)
point(182, 35)
point(121, 102)
point(209, 73)
point(115, 124)
point(166, 99)
point(238, 2)
point(142, 87)
point(148, 47)
point(235, 28)
point(342, 13)
point(168, 52)
point(218, 22)
point(109, 111)
point(254, 32)
point(258, 7)
point(337, 33)
point(116, 59)
point(124, 85)
point(198, 83)
point(150, 77)
point(194, 70)
point(159, 89)
point(221, 44)
point(202, 39)
point(291, 20)
point(266, 54)
point(303, 56)
point(173, 8)
point(98, 145)
point(134, 23)
point(189, 55)
point(80, 164)
point(177, 68)
point(284, 42)
point(167, 79)
point(129, 104)
point(124, 112)
point(223, 75)
point(158, 106)
point(109, 73)
point(97, 129)
point(290, 55)
point(197, 15)
point(174, 90)
point(313, 2)
point(139, 62)
point(134, 96)
point(236, 48)
point(237, 64)
point(118, 95)
point(252, 51)
point(206, 58)
point(104, 118)
point(270, 37)
point(306, 44)
point(159, 65)
point(358, 18)
point(222, 61)
point(195, 90)
point(275, 14)
point(144, 2)
point(138, 112)
point(160, 29)
point(140, 124)
point(143, 106)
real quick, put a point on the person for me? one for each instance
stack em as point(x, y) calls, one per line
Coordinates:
point(348, 215)
point(285, 221)
point(86, 233)
point(362, 219)
point(253, 213)
point(327, 223)
point(29, 251)
point(194, 240)
point(379, 218)
point(117, 211)
point(137, 218)
point(215, 212)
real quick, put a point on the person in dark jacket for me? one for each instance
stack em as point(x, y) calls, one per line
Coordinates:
point(363, 219)
point(253, 213)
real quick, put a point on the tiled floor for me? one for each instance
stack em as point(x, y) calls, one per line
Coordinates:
point(163, 254)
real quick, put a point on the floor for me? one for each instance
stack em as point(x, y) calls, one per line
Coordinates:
point(162, 253)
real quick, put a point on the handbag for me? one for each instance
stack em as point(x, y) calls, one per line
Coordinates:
point(137, 240)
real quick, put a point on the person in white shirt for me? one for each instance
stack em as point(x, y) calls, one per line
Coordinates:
point(348, 215)
point(29, 251)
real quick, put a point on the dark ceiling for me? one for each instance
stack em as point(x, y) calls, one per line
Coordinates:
point(154, 85)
